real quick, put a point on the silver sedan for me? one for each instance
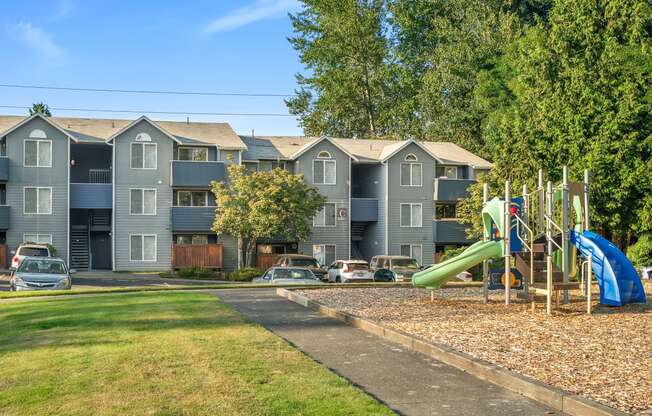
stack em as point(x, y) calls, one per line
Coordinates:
point(40, 273)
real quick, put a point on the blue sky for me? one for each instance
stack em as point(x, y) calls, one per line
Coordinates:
point(203, 45)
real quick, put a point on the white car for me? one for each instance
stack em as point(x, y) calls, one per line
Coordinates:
point(348, 271)
point(29, 250)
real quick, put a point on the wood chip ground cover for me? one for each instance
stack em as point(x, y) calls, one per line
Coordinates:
point(606, 356)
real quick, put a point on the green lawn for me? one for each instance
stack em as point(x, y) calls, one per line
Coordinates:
point(158, 353)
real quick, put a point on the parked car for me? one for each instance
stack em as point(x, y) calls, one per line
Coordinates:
point(29, 250)
point(401, 267)
point(279, 275)
point(346, 271)
point(40, 273)
point(302, 261)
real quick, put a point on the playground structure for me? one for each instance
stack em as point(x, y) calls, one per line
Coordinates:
point(543, 235)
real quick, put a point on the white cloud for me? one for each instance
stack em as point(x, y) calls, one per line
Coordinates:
point(36, 38)
point(62, 9)
point(257, 11)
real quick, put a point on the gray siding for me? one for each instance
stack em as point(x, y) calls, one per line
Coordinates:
point(91, 195)
point(398, 194)
point(339, 194)
point(126, 224)
point(55, 177)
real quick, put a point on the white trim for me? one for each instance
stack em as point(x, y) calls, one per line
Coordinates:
point(138, 120)
point(32, 117)
point(143, 200)
point(37, 200)
point(324, 251)
point(38, 150)
point(319, 155)
point(412, 157)
point(324, 211)
point(131, 146)
point(400, 214)
point(193, 149)
point(37, 234)
point(317, 141)
point(324, 171)
point(411, 178)
point(142, 251)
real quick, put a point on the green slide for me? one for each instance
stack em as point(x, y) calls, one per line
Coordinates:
point(440, 273)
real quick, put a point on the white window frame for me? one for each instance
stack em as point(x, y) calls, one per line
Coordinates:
point(457, 171)
point(411, 184)
point(25, 240)
point(193, 148)
point(324, 162)
point(411, 204)
point(142, 251)
point(38, 147)
point(177, 204)
point(412, 247)
point(38, 190)
point(323, 249)
point(322, 214)
point(131, 149)
point(143, 200)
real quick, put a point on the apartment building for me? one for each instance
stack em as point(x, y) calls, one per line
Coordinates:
point(134, 194)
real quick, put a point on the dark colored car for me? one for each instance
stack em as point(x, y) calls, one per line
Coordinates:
point(400, 268)
point(302, 261)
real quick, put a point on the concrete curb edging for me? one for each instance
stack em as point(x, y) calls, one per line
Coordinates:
point(571, 404)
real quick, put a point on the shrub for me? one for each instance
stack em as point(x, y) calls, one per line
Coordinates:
point(244, 275)
point(193, 273)
point(640, 253)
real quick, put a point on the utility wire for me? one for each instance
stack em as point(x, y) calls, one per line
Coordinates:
point(186, 113)
point(229, 94)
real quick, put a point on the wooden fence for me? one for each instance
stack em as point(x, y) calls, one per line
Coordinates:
point(197, 255)
point(265, 261)
point(3, 256)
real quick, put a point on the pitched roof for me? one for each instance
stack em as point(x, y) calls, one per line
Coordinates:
point(99, 130)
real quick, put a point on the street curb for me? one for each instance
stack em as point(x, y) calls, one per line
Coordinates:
point(553, 397)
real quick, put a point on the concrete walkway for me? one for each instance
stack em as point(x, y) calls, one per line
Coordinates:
point(408, 382)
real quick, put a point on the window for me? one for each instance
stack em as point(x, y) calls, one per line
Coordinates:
point(411, 173)
point(251, 166)
point(142, 202)
point(192, 198)
point(142, 247)
point(143, 156)
point(324, 253)
point(38, 239)
point(193, 153)
point(267, 165)
point(411, 215)
point(325, 217)
point(412, 250)
point(38, 153)
point(449, 172)
point(37, 200)
point(196, 239)
point(324, 172)
point(445, 211)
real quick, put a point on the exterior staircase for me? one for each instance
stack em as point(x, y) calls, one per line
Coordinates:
point(79, 248)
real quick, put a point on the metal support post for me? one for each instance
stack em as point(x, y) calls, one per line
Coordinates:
point(506, 238)
point(565, 242)
point(485, 237)
point(589, 269)
point(549, 249)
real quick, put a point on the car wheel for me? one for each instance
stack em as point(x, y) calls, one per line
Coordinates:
point(338, 280)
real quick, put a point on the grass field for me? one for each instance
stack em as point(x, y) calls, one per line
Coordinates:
point(158, 353)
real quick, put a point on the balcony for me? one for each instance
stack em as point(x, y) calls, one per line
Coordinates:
point(449, 232)
point(91, 195)
point(4, 168)
point(193, 174)
point(451, 189)
point(192, 219)
point(364, 209)
point(4, 217)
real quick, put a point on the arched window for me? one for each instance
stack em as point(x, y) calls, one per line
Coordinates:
point(324, 155)
point(411, 158)
point(37, 134)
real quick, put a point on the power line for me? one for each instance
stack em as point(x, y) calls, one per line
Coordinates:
point(121, 91)
point(185, 113)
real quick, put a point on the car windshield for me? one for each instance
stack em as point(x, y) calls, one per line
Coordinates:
point(407, 263)
point(304, 262)
point(42, 266)
point(34, 251)
point(292, 274)
point(357, 266)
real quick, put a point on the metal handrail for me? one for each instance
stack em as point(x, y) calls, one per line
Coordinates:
point(553, 223)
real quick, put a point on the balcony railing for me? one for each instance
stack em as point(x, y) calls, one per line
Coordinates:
point(451, 189)
point(196, 174)
point(91, 195)
point(4, 217)
point(4, 168)
point(192, 219)
point(449, 232)
point(364, 209)
point(99, 176)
